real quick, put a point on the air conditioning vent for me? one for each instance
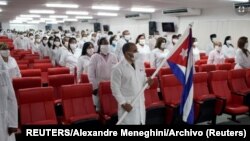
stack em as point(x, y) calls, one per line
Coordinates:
point(183, 12)
point(138, 16)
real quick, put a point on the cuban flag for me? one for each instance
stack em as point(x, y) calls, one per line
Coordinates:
point(181, 63)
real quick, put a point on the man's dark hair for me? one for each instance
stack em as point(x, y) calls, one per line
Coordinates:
point(126, 47)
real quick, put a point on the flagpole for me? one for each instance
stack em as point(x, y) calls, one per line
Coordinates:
point(154, 74)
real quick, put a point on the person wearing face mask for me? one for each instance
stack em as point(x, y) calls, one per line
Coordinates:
point(159, 53)
point(10, 62)
point(94, 39)
point(21, 42)
point(210, 47)
point(196, 51)
point(127, 79)
point(242, 58)
point(123, 40)
point(44, 51)
point(8, 104)
point(216, 56)
point(143, 48)
point(84, 59)
point(113, 44)
point(228, 49)
point(35, 45)
point(56, 51)
point(100, 66)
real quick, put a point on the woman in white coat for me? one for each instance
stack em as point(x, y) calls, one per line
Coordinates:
point(10, 62)
point(100, 66)
point(44, 49)
point(242, 58)
point(228, 49)
point(216, 56)
point(56, 51)
point(83, 61)
point(143, 48)
point(160, 52)
point(127, 79)
point(8, 106)
point(196, 51)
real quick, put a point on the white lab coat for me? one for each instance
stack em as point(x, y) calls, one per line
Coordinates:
point(216, 57)
point(196, 54)
point(241, 60)
point(210, 47)
point(34, 47)
point(126, 82)
point(112, 48)
point(55, 55)
point(145, 50)
point(78, 52)
point(21, 43)
point(229, 52)
point(70, 61)
point(8, 104)
point(118, 51)
point(82, 66)
point(158, 57)
point(61, 54)
point(13, 69)
point(43, 51)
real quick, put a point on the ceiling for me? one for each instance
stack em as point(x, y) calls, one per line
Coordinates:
point(17, 7)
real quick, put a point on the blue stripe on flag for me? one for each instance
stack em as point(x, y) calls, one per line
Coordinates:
point(177, 72)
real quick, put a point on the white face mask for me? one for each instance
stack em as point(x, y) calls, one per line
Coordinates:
point(51, 42)
point(137, 57)
point(217, 48)
point(175, 41)
point(85, 39)
point(214, 39)
point(195, 44)
point(142, 42)
point(127, 37)
point(45, 41)
point(229, 42)
point(78, 39)
point(5, 53)
point(90, 51)
point(163, 45)
point(38, 40)
point(57, 44)
point(104, 49)
point(67, 35)
point(246, 46)
point(66, 44)
point(58, 35)
point(31, 37)
point(73, 46)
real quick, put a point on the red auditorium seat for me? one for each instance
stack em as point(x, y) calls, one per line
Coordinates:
point(149, 71)
point(201, 62)
point(171, 91)
point(230, 60)
point(84, 78)
point(147, 65)
point(44, 68)
point(204, 102)
point(226, 66)
point(237, 83)
point(23, 83)
point(78, 105)
point(57, 71)
point(164, 71)
point(57, 81)
point(204, 57)
point(202, 54)
point(31, 73)
point(23, 66)
point(37, 107)
point(22, 61)
point(207, 68)
point(108, 104)
point(231, 103)
point(155, 108)
point(248, 77)
point(31, 58)
point(42, 61)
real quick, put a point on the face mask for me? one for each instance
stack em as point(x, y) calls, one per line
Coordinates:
point(218, 48)
point(104, 49)
point(66, 44)
point(51, 42)
point(214, 39)
point(90, 51)
point(175, 41)
point(85, 39)
point(142, 42)
point(58, 35)
point(163, 45)
point(78, 39)
point(38, 40)
point(195, 44)
point(246, 46)
point(67, 35)
point(127, 37)
point(57, 44)
point(229, 42)
point(5, 53)
point(137, 57)
point(31, 37)
point(45, 41)
point(73, 46)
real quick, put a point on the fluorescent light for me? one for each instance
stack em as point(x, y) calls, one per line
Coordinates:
point(42, 11)
point(77, 12)
point(52, 22)
point(30, 16)
point(33, 22)
point(3, 2)
point(113, 8)
point(147, 10)
point(47, 19)
point(106, 14)
point(23, 18)
point(16, 21)
point(240, 0)
point(71, 20)
point(62, 5)
point(58, 16)
point(84, 17)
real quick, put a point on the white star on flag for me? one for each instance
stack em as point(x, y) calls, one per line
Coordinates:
point(184, 53)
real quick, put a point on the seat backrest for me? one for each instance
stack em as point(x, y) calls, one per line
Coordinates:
point(236, 79)
point(164, 71)
point(56, 71)
point(200, 85)
point(23, 66)
point(77, 100)
point(26, 82)
point(31, 73)
point(37, 106)
point(84, 78)
point(230, 60)
point(107, 100)
point(151, 94)
point(218, 84)
point(22, 61)
point(43, 66)
point(42, 61)
point(207, 67)
point(226, 66)
point(149, 71)
point(171, 89)
point(147, 65)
